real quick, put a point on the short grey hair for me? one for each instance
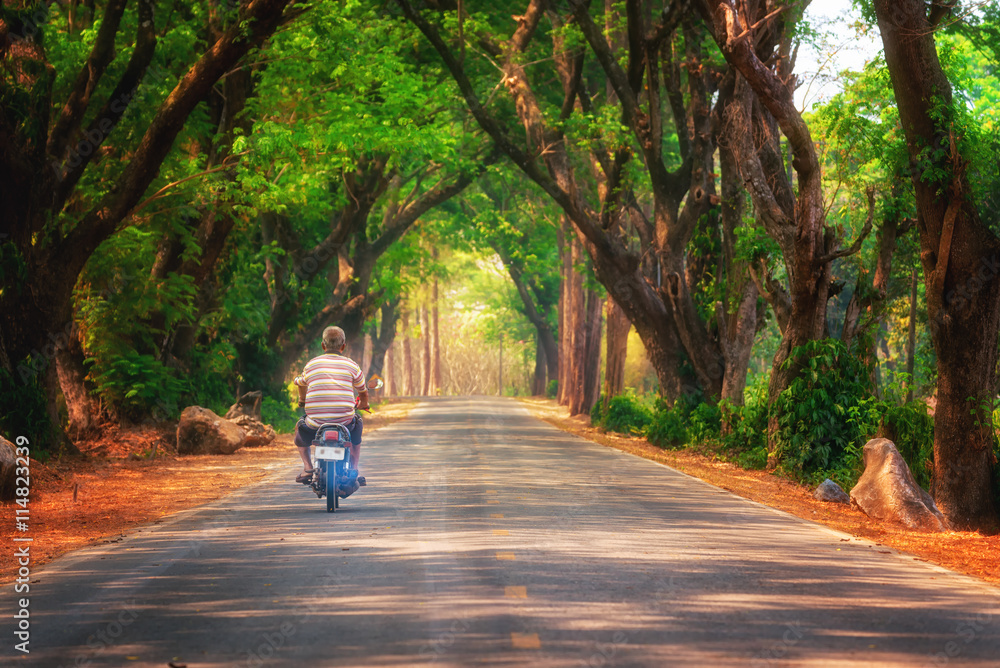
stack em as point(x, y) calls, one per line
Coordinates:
point(334, 338)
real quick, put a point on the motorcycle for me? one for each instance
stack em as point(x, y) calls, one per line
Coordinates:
point(333, 476)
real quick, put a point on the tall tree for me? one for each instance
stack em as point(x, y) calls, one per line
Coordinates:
point(43, 161)
point(750, 37)
point(960, 255)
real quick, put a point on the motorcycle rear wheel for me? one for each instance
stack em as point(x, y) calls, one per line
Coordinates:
point(331, 488)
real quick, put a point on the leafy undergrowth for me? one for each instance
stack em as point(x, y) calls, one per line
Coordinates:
point(121, 486)
point(966, 552)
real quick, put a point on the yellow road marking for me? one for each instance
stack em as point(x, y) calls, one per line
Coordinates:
point(515, 592)
point(491, 491)
point(492, 501)
point(525, 641)
point(496, 516)
point(501, 532)
point(505, 556)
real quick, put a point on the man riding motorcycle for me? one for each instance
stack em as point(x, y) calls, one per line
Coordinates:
point(327, 390)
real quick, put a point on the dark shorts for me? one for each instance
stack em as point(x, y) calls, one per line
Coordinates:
point(304, 434)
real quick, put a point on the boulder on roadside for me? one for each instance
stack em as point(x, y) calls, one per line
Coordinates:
point(257, 433)
point(248, 404)
point(831, 492)
point(8, 469)
point(202, 432)
point(887, 490)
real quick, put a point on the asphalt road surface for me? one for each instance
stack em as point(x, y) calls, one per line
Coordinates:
point(488, 538)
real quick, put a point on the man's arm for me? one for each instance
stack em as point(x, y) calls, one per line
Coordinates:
point(302, 394)
point(303, 387)
point(363, 400)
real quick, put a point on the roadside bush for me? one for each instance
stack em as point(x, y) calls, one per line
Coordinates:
point(668, 428)
point(746, 440)
point(134, 382)
point(626, 415)
point(552, 389)
point(755, 459)
point(704, 424)
point(279, 415)
point(823, 414)
point(912, 430)
point(597, 413)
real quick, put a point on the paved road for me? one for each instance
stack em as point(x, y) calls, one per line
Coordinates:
point(488, 538)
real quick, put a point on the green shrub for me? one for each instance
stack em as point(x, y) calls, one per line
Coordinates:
point(552, 389)
point(668, 428)
point(134, 382)
point(912, 430)
point(280, 415)
point(822, 414)
point(704, 424)
point(626, 415)
point(597, 413)
point(755, 459)
point(747, 429)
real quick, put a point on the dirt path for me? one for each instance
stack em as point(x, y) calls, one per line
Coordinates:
point(962, 551)
point(121, 487)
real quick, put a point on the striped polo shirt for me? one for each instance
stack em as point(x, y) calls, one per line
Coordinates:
point(330, 381)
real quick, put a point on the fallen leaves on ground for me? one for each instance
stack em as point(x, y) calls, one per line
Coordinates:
point(121, 486)
point(967, 552)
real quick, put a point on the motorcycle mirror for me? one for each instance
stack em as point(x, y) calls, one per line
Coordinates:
point(375, 384)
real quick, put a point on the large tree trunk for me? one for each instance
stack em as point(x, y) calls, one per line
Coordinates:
point(737, 335)
point(58, 436)
point(737, 327)
point(80, 405)
point(961, 260)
